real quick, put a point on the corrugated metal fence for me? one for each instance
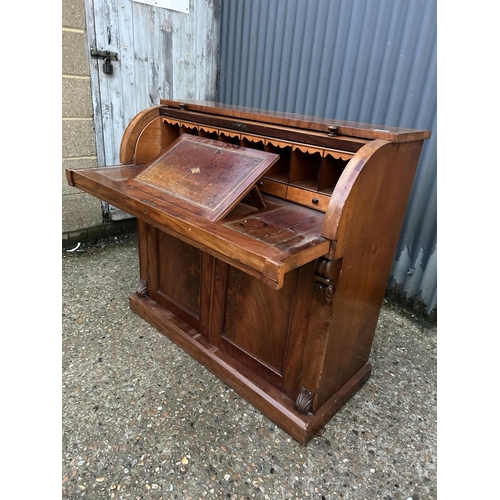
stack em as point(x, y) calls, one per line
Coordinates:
point(371, 61)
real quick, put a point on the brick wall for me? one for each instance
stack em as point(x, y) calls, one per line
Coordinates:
point(79, 210)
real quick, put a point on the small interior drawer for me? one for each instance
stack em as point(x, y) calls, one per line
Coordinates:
point(308, 198)
point(272, 187)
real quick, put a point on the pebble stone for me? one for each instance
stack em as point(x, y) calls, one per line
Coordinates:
point(143, 420)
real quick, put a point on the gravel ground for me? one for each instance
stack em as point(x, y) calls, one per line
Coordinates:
point(142, 420)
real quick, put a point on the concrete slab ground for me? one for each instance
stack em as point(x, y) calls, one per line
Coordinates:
point(143, 420)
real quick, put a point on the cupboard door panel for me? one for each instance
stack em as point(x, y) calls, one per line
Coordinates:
point(177, 271)
point(257, 318)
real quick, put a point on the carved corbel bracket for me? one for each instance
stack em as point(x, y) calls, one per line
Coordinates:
point(142, 289)
point(323, 290)
point(325, 276)
point(303, 402)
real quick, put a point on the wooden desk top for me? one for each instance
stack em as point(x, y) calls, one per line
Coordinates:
point(266, 243)
point(342, 127)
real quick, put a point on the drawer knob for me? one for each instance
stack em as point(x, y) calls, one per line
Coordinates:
point(315, 201)
point(260, 183)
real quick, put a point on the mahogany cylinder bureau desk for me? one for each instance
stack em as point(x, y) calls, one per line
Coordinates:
point(265, 242)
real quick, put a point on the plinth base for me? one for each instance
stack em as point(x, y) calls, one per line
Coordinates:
point(266, 398)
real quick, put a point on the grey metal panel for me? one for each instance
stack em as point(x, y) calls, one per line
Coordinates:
point(370, 61)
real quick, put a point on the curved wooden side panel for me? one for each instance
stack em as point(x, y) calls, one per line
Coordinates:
point(150, 142)
point(342, 205)
point(369, 202)
point(363, 220)
point(133, 132)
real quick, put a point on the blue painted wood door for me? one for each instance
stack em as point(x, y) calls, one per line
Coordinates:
point(161, 54)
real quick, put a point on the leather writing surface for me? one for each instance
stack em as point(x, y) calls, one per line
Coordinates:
point(204, 176)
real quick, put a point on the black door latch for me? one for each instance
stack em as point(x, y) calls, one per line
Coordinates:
point(108, 56)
